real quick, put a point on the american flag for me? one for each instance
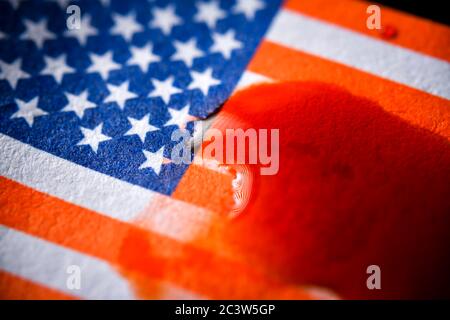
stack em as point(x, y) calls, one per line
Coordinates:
point(87, 113)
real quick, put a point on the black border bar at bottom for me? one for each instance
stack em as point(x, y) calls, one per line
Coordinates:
point(242, 309)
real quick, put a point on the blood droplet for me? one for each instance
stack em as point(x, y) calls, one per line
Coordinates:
point(389, 32)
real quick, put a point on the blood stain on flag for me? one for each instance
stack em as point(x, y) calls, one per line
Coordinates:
point(344, 161)
point(363, 186)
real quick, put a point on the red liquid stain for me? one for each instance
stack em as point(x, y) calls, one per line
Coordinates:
point(357, 186)
point(389, 32)
point(150, 263)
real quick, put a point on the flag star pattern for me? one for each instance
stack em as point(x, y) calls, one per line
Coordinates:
point(108, 96)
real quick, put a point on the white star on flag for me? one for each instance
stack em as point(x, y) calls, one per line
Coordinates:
point(93, 137)
point(164, 89)
point(28, 110)
point(143, 57)
point(120, 94)
point(154, 160)
point(186, 52)
point(179, 118)
point(225, 43)
point(209, 13)
point(12, 72)
point(140, 127)
point(248, 7)
point(2, 35)
point(103, 64)
point(86, 30)
point(37, 32)
point(78, 103)
point(126, 26)
point(56, 67)
point(203, 81)
point(165, 19)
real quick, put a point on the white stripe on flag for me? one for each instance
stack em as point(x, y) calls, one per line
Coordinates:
point(71, 182)
point(46, 263)
point(313, 36)
point(101, 193)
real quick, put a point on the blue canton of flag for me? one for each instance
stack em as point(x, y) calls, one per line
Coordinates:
point(108, 94)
